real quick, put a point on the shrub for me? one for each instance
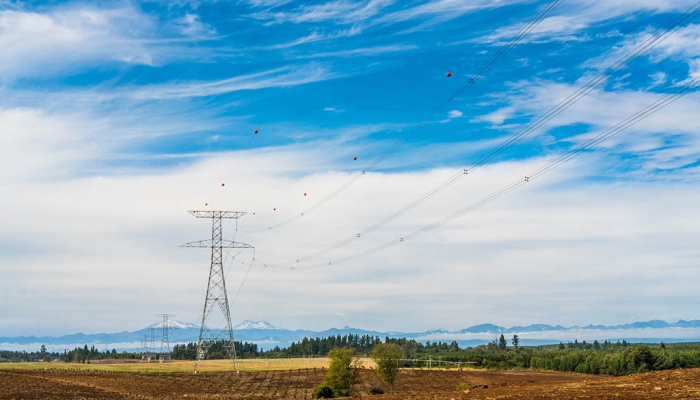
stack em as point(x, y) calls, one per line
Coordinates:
point(341, 375)
point(321, 391)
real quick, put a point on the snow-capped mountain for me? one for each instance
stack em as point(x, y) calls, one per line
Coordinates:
point(248, 324)
point(174, 324)
point(267, 335)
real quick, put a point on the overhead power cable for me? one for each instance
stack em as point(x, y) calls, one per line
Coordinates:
point(418, 127)
point(565, 157)
point(597, 81)
point(245, 277)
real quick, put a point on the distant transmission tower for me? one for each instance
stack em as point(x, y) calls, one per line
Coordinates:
point(145, 350)
point(216, 288)
point(165, 338)
point(152, 344)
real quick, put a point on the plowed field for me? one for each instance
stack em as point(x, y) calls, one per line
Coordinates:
point(297, 384)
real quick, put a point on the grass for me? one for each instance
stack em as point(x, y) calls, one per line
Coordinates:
point(248, 365)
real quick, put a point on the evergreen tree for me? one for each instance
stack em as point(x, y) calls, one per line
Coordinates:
point(502, 342)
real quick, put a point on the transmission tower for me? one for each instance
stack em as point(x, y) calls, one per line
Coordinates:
point(152, 344)
point(165, 338)
point(145, 350)
point(216, 287)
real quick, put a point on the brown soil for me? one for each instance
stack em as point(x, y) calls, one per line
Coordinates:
point(297, 384)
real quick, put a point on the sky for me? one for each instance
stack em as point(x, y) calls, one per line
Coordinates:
point(117, 117)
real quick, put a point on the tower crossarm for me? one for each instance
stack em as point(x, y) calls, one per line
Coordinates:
point(226, 244)
point(217, 214)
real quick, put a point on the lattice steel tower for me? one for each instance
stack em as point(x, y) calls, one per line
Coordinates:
point(165, 338)
point(145, 349)
point(216, 288)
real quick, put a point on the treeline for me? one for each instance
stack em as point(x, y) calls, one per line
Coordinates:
point(216, 351)
point(620, 358)
point(610, 358)
point(85, 354)
point(613, 360)
point(23, 356)
point(320, 347)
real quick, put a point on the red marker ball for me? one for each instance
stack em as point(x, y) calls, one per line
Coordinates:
point(255, 131)
point(449, 74)
point(253, 213)
point(354, 158)
point(274, 209)
point(304, 194)
point(206, 204)
point(222, 184)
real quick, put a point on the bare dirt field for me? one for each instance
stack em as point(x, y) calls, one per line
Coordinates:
point(61, 383)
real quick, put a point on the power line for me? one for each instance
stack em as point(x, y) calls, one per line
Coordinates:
point(573, 98)
point(570, 154)
point(417, 128)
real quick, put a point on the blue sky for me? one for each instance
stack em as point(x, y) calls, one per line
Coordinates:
point(117, 117)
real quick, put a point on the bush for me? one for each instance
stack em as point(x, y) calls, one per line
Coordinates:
point(375, 390)
point(462, 387)
point(322, 391)
point(341, 375)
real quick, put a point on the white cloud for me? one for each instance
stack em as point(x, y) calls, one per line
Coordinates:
point(658, 78)
point(454, 114)
point(340, 11)
point(36, 43)
point(316, 36)
point(297, 75)
point(365, 51)
point(667, 139)
point(443, 9)
point(682, 45)
point(191, 25)
point(550, 28)
point(570, 20)
point(548, 243)
point(267, 3)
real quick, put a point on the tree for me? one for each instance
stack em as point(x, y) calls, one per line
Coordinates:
point(388, 357)
point(341, 375)
point(516, 341)
point(502, 342)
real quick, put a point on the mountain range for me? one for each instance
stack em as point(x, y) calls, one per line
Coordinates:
point(267, 335)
